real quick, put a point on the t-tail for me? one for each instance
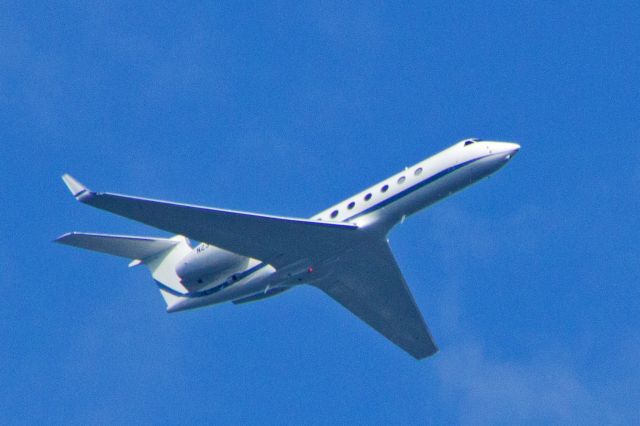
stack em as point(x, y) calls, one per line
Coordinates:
point(160, 255)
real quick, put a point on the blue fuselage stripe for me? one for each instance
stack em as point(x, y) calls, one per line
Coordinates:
point(414, 188)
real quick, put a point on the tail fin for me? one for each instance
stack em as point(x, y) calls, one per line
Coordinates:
point(160, 255)
point(163, 271)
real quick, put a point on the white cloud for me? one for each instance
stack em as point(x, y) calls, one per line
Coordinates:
point(543, 383)
point(543, 388)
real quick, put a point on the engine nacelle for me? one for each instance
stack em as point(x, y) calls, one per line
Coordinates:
point(208, 264)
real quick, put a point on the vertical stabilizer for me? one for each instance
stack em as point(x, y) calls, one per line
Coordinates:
point(163, 270)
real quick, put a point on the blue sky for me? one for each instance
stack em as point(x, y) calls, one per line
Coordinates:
point(529, 280)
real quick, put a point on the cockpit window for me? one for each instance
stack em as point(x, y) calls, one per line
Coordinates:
point(470, 141)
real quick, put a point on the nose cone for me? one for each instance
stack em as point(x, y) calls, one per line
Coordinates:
point(509, 149)
point(514, 147)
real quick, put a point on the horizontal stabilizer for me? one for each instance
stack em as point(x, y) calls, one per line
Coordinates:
point(127, 246)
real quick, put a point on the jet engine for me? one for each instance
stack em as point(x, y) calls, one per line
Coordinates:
point(209, 264)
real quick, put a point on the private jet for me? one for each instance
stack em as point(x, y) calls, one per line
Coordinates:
point(343, 250)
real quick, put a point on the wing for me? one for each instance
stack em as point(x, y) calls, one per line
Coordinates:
point(276, 240)
point(369, 283)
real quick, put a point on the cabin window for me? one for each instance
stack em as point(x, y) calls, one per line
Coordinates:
point(469, 142)
point(401, 180)
point(384, 188)
point(418, 171)
point(351, 205)
point(334, 213)
point(367, 197)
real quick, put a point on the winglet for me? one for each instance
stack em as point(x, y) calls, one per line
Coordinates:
point(76, 188)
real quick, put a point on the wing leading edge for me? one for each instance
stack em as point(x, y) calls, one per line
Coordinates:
point(368, 282)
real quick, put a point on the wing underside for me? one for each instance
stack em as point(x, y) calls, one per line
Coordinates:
point(368, 282)
point(275, 240)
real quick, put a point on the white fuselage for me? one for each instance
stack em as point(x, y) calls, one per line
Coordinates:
point(376, 210)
